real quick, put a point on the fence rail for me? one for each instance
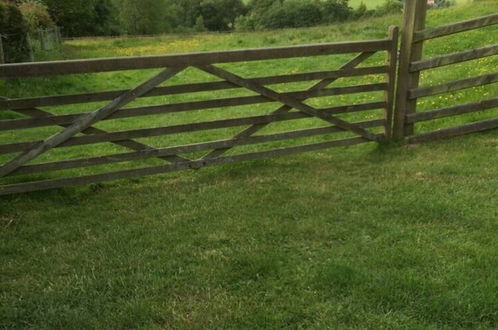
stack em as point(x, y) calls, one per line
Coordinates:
point(412, 64)
point(23, 155)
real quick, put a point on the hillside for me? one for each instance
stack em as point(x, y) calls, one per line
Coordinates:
point(387, 236)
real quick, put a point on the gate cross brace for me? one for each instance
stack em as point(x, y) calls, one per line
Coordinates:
point(285, 108)
point(87, 120)
point(130, 144)
point(289, 101)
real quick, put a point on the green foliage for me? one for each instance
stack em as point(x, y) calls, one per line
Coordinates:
point(36, 15)
point(82, 18)
point(336, 11)
point(389, 7)
point(302, 13)
point(14, 30)
point(266, 14)
point(220, 15)
point(141, 17)
point(442, 4)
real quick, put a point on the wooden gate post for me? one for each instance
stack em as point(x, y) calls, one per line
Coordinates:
point(411, 50)
point(392, 62)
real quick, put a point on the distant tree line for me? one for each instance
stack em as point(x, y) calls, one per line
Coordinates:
point(141, 17)
point(137, 17)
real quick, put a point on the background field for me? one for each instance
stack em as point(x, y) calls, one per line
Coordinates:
point(361, 237)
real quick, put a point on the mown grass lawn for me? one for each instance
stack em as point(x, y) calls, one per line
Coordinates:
point(362, 237)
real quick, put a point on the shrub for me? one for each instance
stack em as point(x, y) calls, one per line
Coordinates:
point(36, 15)
point(336, 11)
point(363, 11)
point(220, 15)
point(292, 13)
point(13, 26)
point(441, 4)
point(390, 7)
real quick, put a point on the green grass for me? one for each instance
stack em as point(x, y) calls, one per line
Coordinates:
point(360, 237)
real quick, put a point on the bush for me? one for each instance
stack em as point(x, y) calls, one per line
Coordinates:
point(36, 15)
point(220, 15)
point(390, 7)
point(13, 26)
point(292, 13)
point(336, 11)
point(441, 4)
point(363, 11)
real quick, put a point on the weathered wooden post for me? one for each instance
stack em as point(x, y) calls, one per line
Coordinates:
point(30, 47)
point(41, 35)
point(392, 62)
point(2, 55)
point(58, 34)
point(411, 50)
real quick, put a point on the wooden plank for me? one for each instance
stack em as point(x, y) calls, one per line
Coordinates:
point(86, 121)
point(454, 86)
point(289, 101)
point(58, 100)
point(188, 106)
point(130, 144)
point(175, 129)
point(411, 51)
point(173, 151)
point(453, 58)
point(360, 58)
point(453, 110)
point(190, 59)
point(67, 182)
point(455, 131)
point(392, 62)
point(449, 29)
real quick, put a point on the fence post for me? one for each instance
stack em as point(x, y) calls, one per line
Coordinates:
point(2, 55)
point(41, 35)
point(30, 46)
point(414, 20)
point(392, 63)
point(58, 35)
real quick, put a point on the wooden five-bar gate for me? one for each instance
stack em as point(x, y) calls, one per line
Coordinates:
point(28, 166)
point(80, 129)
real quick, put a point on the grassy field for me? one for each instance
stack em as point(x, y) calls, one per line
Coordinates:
point(363, 237)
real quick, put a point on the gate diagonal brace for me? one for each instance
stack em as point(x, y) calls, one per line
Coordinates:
point(87, 120)
point(288, 101)
point(248, 132)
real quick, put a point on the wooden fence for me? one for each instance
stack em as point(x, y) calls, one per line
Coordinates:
point(21, 173)
point(411, 64)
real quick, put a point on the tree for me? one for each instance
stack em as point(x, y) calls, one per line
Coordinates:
point(82, 18)
point(150, 16)
point(14, 29)
point(36, 15)
point(337, 10)
point(220, 15)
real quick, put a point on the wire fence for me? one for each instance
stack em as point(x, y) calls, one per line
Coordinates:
point(41, 41)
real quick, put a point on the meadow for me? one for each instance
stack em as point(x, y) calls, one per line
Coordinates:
point(371, 236)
